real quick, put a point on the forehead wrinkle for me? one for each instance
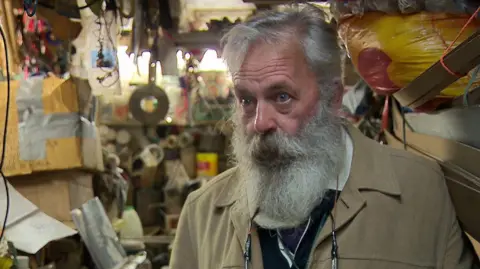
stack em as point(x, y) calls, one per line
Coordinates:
point(260, 77)
point(279, 66)
point(276, 62)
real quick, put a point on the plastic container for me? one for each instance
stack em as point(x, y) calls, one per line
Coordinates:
point(207, 164)
point(132, 226)
point(23, 262)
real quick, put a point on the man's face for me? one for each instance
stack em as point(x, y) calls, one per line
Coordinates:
point(287, 142)
point(275, 89)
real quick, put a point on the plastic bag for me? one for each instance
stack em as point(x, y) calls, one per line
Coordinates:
point(340, 8)
point(389, 51)
point(448, 6)
point(410, 6)
point(96, 57)
point(387, 6)
point(468, 6)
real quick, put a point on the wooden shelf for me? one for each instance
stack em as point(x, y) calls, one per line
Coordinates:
point(204, 39)
point(193, 40)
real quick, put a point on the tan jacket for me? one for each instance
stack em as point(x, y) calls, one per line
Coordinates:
point(394, 213)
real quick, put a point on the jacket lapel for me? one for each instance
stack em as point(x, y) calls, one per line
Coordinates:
point(231, 197)
point(347, 207)
point(368, 171)
point(240, 217)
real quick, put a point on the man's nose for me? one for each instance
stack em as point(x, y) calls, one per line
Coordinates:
point(264, 119)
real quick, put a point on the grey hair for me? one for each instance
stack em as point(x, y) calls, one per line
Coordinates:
point(305, 22)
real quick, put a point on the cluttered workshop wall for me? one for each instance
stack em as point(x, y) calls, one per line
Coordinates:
point(422, 93)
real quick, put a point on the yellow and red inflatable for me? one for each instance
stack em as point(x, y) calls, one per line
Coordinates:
point(390, 51)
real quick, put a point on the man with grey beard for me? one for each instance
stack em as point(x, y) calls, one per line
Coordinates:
point(308, 190)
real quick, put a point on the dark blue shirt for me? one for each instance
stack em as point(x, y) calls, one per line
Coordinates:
point(298, 240)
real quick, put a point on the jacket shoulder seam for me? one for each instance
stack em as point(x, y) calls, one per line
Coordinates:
point(423, 161)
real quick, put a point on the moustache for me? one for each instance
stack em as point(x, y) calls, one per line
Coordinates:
point(273, 149)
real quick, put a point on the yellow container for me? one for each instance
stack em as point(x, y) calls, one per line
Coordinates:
point(6, 263)
point(207, 164)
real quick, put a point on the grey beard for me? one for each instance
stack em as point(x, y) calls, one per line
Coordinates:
point(286, 177)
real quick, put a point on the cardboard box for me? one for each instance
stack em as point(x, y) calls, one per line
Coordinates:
point(459, 163)
point(46, 131)
point(56, 193)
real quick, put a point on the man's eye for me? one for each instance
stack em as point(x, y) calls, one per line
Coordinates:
point(246, 101)
point(283, 98)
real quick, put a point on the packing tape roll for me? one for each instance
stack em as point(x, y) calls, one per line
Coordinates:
point(111, 134)
point(123, 137)
point(110, 148)
point(113, 159)
point(149, 104)
point(172, 142)
point(150, 156)
point(185, 140)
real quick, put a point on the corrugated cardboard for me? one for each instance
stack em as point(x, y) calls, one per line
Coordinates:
point(459, 163)
point(56, 193)
point(58, 96)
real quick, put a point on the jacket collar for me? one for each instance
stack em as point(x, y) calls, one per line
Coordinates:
point(231, 192)
point(371, 165)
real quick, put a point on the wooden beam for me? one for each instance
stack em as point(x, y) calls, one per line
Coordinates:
point(198, 40)
point(263, 6)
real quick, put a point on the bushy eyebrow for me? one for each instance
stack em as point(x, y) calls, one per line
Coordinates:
point(241, 91)
point(278, 86)
point(274, 87)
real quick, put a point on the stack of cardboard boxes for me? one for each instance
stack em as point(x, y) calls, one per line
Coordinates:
point(52, 147)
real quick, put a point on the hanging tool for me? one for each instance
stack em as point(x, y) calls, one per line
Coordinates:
point(151, 91)
point(126, 8)
point(138, 30)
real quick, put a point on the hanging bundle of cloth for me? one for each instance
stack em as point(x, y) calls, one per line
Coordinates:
point(420, 39)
